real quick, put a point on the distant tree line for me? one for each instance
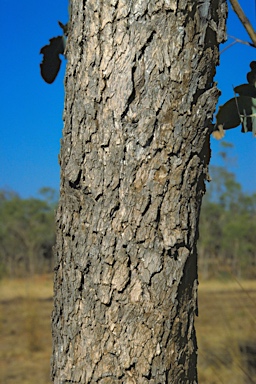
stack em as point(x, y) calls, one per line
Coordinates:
point(227, 230)
point(227, 227)
point(27, 233)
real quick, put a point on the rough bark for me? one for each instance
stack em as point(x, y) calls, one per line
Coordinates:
point(134, 156)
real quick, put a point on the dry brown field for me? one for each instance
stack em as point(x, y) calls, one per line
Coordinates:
point(226, 323)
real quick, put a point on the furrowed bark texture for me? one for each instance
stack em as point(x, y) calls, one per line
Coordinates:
point(134, 156)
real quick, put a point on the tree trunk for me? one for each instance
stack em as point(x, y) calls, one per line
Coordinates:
point(134, 156)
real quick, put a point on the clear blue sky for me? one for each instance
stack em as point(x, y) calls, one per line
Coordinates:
point(31, 110)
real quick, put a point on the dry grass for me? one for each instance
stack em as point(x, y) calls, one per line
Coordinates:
point(25, 349)
point(227, 320)
point(227, 313)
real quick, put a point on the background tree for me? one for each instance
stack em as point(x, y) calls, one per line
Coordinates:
point(227, 225)
point(135, 151)
point(26, 233)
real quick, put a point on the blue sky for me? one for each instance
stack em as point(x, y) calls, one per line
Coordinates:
point(31, 110)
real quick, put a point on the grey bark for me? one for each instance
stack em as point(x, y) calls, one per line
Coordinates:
point(134, 157)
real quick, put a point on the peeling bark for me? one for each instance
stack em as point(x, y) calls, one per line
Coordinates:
point(135, 151)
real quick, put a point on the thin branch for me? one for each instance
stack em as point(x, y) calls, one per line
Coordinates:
point(236, 40)
point(228, 46)
point(241, 41)
point(246, 23)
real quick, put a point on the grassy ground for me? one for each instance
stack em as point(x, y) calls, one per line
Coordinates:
point(25, 330)
point(227, 313)
point(227, 321)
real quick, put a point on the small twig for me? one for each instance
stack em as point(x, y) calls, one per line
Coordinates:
point(236, 40)
point(228, 46)
point(237, 106)
point(244, 20)
point(241, 41)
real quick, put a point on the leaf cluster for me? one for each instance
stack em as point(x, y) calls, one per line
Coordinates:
point(241, 109)
point(51, 62)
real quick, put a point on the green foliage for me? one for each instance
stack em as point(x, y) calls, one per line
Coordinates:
point(241, 109)
point(26, 233)
point(227, 228)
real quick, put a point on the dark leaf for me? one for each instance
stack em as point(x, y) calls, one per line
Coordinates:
point(51, 62)
point(228, 115)
point(238, 111)
point(246, 90)
point(64, 27)
point(251, 76)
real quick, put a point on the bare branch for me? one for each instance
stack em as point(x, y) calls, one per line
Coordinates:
point(246, 23)
point(236, 40)
point(228, 46)
point(241, 41)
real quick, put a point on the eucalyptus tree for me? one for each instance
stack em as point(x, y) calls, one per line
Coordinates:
point(139, 100)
